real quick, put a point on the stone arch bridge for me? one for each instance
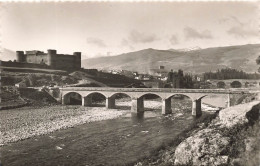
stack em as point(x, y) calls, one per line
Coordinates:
point(136, 95)
point(244, 82)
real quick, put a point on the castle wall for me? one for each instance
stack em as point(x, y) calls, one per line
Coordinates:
point(51, 59)
point(64, 61)
point(77, 60)
point(20, 56)
point(40, 59)
point(23, 65)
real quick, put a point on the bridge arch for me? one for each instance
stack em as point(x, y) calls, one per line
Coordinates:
point(120, 100)
point(150, 102)
point(120, 94)
point(94, 99)
point(191, 96)
point(72, 98)
point(178, 101)
point(150, 94)
point(236, 84)
point(179, 95)
point(96, 92)
point(221, 84)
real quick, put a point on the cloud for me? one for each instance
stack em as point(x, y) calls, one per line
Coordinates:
point(174, 40)
point(231, 19)
point(236, 20)
point(191, 33)
point(242, 31)
point(223, 20)
point(126, 43)
point(96, 41)
point(138, 37)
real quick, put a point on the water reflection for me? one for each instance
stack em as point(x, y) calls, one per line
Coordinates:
point(137, 117)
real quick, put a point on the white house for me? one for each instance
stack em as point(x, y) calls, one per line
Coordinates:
point(21, 84)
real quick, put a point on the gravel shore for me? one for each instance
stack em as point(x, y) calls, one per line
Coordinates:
point(23, 123)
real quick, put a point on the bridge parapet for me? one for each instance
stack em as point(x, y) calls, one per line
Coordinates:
point(166, 90)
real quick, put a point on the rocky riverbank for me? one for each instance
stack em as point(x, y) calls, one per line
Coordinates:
point(230, 139)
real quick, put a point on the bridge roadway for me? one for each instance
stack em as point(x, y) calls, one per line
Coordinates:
point(137, 96)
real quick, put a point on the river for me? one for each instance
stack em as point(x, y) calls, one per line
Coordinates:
point(119, 141)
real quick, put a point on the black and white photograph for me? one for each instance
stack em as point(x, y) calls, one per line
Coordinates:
point(129, 83)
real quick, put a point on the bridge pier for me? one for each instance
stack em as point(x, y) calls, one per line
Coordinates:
point(166, 106)
point(87, 101)
point(258, 96)
point(110, 102)
point(137, 105)
point(196, 107)
point(228, 100)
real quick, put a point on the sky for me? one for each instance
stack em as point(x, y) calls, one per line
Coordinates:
point(111, 28)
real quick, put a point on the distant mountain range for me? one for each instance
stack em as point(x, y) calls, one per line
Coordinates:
point(7, 55)
point(242, 57)
point(190, 60)
point(185, 49)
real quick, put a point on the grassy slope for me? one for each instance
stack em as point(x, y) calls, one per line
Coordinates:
point(112, 80)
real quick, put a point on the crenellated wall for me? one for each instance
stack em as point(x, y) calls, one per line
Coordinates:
point(51, 58)
point(39, 59)
point(64, 61)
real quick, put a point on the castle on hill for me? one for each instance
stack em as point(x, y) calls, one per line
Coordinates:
point(50, 59)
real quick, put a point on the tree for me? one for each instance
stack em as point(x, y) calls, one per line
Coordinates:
point(230, 74)
point(170, 76)
point(187, 81)
point(179, 80)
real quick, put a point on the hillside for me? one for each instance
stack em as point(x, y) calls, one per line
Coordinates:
point(194, 60)
point(77, 78)
point(106, 79)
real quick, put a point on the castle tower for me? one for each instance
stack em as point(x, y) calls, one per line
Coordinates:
point(77, 59)
point(51, 57)
point(20, 56)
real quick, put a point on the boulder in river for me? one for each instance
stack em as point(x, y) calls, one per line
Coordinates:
point(203, 148)
point(239, 114)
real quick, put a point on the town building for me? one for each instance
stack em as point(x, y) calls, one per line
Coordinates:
point(21, 84)
point(161, 71)
point(153, 83)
